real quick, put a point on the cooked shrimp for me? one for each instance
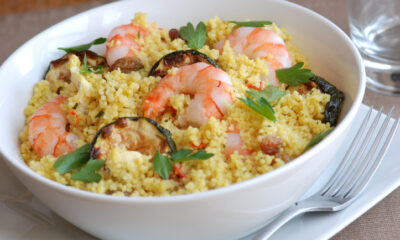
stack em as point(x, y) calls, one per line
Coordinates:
point(234, 143)
point(122, 42)
point(209, 86)
point(260, 43)
point(47, 130)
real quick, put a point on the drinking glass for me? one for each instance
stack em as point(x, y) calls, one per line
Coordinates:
point(375, 30)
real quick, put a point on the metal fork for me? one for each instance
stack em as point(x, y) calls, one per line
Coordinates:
point(349, 179)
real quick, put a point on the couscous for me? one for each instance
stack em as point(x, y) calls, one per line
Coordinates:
point(166, 114)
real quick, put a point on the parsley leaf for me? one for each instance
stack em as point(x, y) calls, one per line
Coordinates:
point(162, 165)
point(98, 69)
point(84, 47)
point(73, 160)
point(181, 154)
point(294, 75)
point(270, 93)
point(187, 154)
point(252, 23)
point(318, 138)
point(88, 172)
point(260, 105)
point(194, 38)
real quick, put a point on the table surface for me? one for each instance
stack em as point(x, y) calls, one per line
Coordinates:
point(19, 23)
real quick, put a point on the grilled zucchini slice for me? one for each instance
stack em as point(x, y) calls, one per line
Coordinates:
point(334, 106)
point(59, 69)
point(179, 59)
point(138, 134)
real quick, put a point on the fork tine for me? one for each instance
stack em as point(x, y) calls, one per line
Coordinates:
point(357, 158)
point(364, 180)
point(366, 161)
point(345, 162)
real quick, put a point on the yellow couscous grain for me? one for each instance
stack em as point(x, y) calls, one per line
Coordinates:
point(94, 100)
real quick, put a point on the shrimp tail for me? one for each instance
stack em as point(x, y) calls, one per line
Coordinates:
point(47, 130)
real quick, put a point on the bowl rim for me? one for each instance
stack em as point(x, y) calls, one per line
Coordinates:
point(83, 194)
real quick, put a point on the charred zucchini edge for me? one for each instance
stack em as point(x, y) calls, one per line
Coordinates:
point(182, 52)
point(162, 130)
point(80, 55)
point(334, 106)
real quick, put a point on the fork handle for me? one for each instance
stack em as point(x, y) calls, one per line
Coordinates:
point(267, 231)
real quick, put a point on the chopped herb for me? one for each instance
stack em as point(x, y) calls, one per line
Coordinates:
point(252, 23)
point(88, 172)
point(187, 154)
point(194, 38)
point(162, 165)
point(270, 93)
point(100, 114)
point(84, 47)
point(73, 160)
point(260, 105)
point(294, 75)
point(98, 69)
point(138, 34)
point(75, 106)
point(317, 139)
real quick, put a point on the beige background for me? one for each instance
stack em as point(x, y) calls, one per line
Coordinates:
point(381, 222)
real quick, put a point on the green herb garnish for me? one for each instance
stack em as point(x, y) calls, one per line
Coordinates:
point(187, 154)
point(195, 38)
point(270, 93)
point(259, 101)
point(252, 23)
point(318, 138)
point(162, 163)
point(88, 172)
point(84, 47)
point(294, 75)
point(138, 35)
point(73, 160)
point(98, 69)
point(261, 106)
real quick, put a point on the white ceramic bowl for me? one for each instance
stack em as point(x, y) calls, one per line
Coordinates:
point(225, 213)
